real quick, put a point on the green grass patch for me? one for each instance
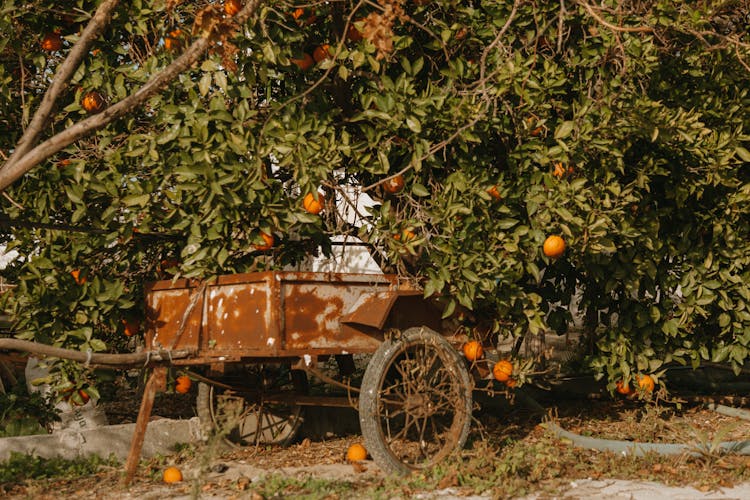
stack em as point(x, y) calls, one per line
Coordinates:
point(21, 467)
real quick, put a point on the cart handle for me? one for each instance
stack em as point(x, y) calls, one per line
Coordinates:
point(133, 358)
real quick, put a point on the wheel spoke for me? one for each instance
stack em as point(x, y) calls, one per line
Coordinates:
point(247, 415)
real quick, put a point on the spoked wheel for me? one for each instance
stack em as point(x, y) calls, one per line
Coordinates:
point(415, 402)
point(254, 410)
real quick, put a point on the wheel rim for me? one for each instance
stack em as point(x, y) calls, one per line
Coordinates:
point(421, 405)
point(248, 417)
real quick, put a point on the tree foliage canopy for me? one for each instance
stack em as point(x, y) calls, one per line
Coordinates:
point(620, 126)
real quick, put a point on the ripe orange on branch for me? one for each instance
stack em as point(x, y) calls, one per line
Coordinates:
point(502, 370)
point(132, 326)
point(646, 383)
point(52, 42)
point(352, 33)
point(322, 52)
point(172, 41)
point(559, 171)
point(623, 388)
point(232, 7)
point(554, 246)
point(183, 384)
point(493, 191)
point(78, 276)
point(268, 239)
point(299, 15)
point(93, 102)
point(406, 235)
point(473, 350)
point(394, 184)
point(304, 63)
point(312, 205)
point(80, 398)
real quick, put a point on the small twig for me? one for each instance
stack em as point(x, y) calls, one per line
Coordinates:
point(561, 25)
point(626, 29)
point(12, 202)
point(740, 59)
point(483, 59)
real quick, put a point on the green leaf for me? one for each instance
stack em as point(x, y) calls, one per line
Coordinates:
point(564, 129)
point(419, 190)
point(449, 309)
point(742, 153)
point(136, 200)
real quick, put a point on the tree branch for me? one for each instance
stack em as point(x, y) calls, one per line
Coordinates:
point(60, 81)
point(10, 172)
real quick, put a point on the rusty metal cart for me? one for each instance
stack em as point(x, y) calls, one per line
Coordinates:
point(253, 340)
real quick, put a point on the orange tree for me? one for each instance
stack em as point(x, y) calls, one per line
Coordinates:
point(618, 126)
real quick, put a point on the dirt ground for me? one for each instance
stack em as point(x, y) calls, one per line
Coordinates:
point(509, 455)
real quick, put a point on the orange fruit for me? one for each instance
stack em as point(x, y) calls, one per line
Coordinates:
point(623, 388)
point(312, 205)
point(502, 370)
point(132, 326)
point(172, 41)
point(473, 350)
point(559, 171)
point(394, 184)
point(356, 453)
point(52, 42)
point(232, 7)
point(298, 15)
point(81, 400)
point(78, 276)
point(353, 34)
point(183, 384)
point(646, 383)
point(172, 475)
point(322, 52)
point(494, 192)
point(405, 235)
point(269, 241)
point(93, 102)
point(166, 264)
point(84, 396)
point(511, 382)
point(554, 246)
point(305, 63)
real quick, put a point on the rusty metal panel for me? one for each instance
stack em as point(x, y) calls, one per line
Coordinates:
point(239, 316)
point(165, 308)
point(371, 309)
point(277, 314)
point(313, 309)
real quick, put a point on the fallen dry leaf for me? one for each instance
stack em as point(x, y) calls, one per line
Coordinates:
point(243, 483)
